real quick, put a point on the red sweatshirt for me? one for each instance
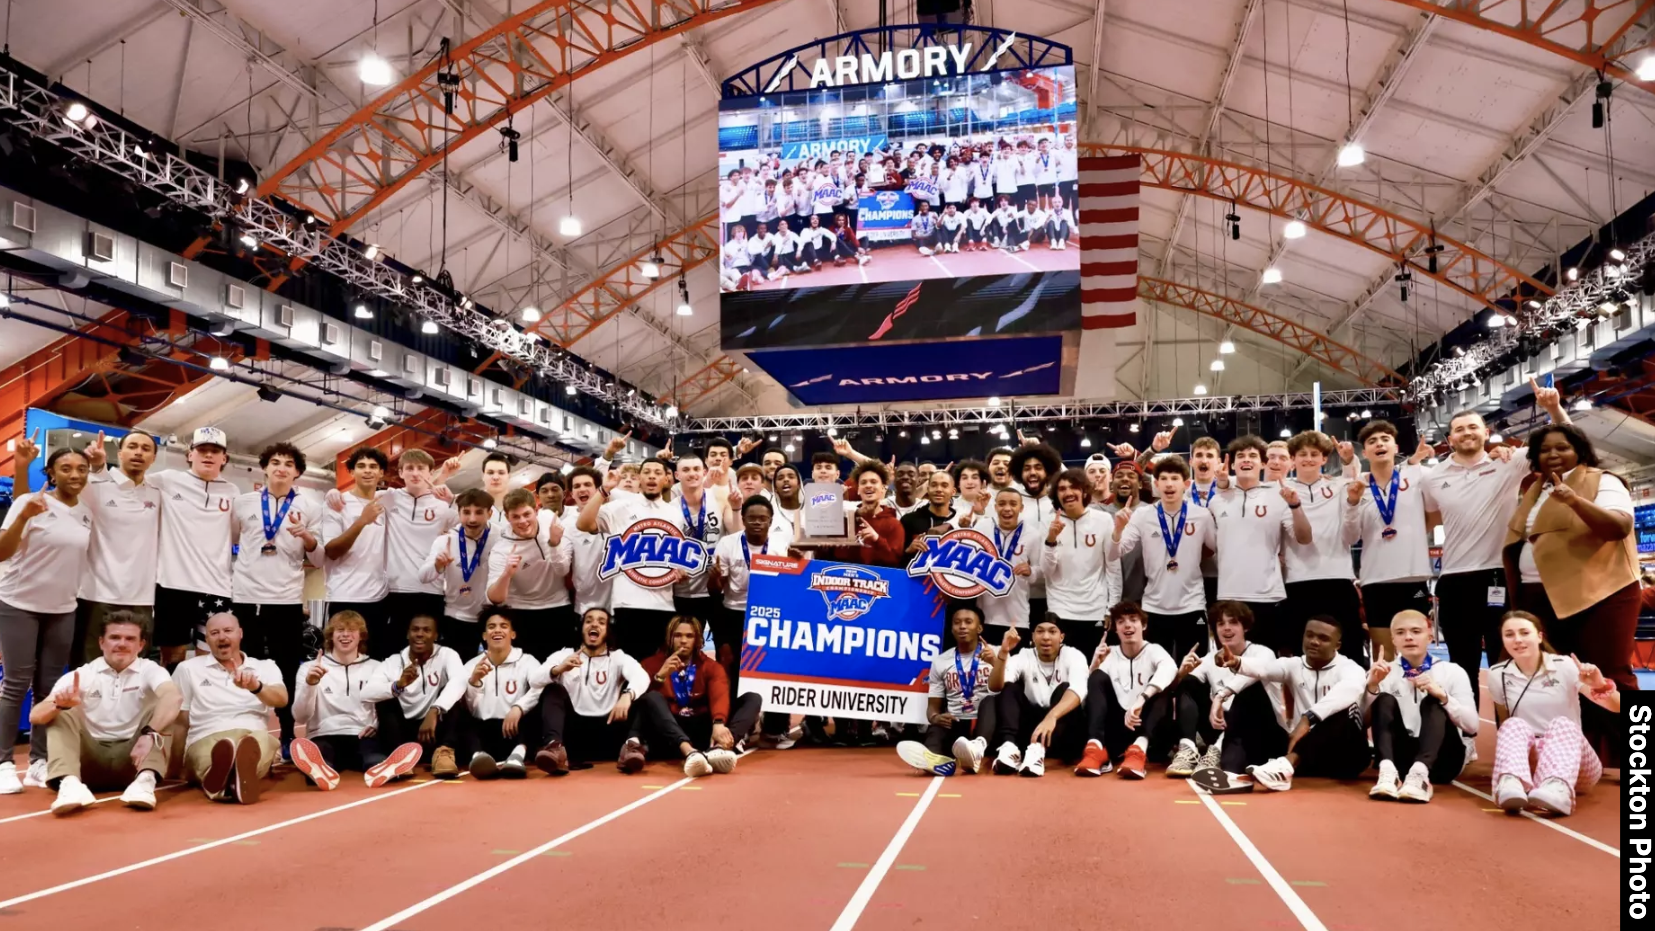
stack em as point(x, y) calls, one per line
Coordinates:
point(709, 695)
point(886, 551)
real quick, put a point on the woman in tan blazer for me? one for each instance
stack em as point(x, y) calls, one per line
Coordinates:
point(1571, 555)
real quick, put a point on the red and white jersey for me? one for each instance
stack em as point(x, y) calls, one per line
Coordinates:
point(631, 514)
point(264, 577)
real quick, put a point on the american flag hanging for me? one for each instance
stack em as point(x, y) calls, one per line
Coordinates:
point(1109, 187)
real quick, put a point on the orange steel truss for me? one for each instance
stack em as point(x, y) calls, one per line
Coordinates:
point(699, 385)
point(1459, 266)
point(83, 375)
point(1318, 346)
point(1594, 33)
point(405, 132)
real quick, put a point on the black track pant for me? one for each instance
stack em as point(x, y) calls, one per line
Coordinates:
point(1178, 633)
point(1194, 704)
point(940, 739)
point(348, 752)
point(1252, 734)
point(1468, 623)
point(396, 730)
point(1084, 634)
point(1106, 716)
point(596, 738)
point(696, 729)
point(1018, 717)
point(484, 735)
point(1438, 745)
point(1336, 748)
point(275, 633)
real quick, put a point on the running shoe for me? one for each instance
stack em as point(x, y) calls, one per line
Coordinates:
point(221, 766)
point(924, 251)
point(1554, 796)
point(307, 757)
point(1210, 780)
point(1133, 763)
point(1184, 762)
point(482, 766)
point(1211, 758)
point(1417, 787)
point(553, 759)
point(631, 759)
point(1275, 775)
point(1008, 761)
point(696, 765)
point(514, 766)
point(920, 757)
point(1034, 761)
point(968, 754)
point(35, 778)
point(1509, 794)
point(247, 783)
point(72, 796)
point(443, 765)
point(791, 739)
point(723, 761)
point(1095, 761)
point(400, 763)
point(141, 793)
point(1388, 784)
point(9, 783)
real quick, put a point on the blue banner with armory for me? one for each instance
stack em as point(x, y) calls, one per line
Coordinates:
point(840, 640)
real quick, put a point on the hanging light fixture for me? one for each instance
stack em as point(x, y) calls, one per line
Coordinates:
point(1350, 154)
point(1200, 389)
point(1272, 275)
point(1295, 229)
point(1226, 347)
point(684, 307)
point(531, 314)
point(1216, 366)
point(363, 313)
point(651, 267)
point(429, 328)
point(373, 70)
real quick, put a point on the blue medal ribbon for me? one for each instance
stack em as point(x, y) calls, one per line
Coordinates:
point(468, 564)
point(1195, 492)
point(273, 527)
point(747, 554)
point(968, 681)
point(683, 683)
point(698, 527)
point(1386, 506)
point(1174, 536)
point(1410, 671)
point(1007, 549)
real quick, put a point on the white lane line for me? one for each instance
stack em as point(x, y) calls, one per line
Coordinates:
point(1284, 891)
point(944, 268)
point(1547, 822)
point(109, 798)
point(870, 882)
point(1019, 260)
point(520, 859)
point(167, 858)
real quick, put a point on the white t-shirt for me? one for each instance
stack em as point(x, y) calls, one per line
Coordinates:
point(1169, 591)
point(539, 582)
point(1476, 503)
point(359, 575)
point(1405, 557)
point(463, 599)
point(213, 700)
point(113, 702)
point(1612, 496)
point(44, 574)
point(1327, 555)
point(126, 525)
point(279, 577)
point(195, 553)
point(1041, 679)
point(947, 684)
point(410, 525)
point(1252, 524)
point(615, 518)
point(733, 562)
point(1554, 692)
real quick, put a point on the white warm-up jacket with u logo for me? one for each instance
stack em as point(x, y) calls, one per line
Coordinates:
point(340, 703)
point(1081, 583)
point(507, 684)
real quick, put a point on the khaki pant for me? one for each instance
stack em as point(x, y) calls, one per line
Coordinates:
point(101, 764)
point(198, 757)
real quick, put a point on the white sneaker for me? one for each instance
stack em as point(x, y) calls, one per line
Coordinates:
point(862, 259)
point(968, 754)
point(1387, 784)
point(72, 795)
point(1023, 246)
point(1008, 760)
point(1418, 786)
point(141, 793)
point(721, 760)
point(920, 757)
point(515, 765)
point(923, 250)
point(696, 765)
point(1509, 794)
point(1553, 796)
point(36, 777)
point(1275, 775)
point(1034, 761)
point(8, 780)
point(794, 734)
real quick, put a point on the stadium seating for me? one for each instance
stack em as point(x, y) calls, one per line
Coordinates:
point(736, 138)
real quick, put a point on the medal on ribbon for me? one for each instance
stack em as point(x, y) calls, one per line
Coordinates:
point(968, 680)
point(468, 563)
point(1386, 505)
point(273, 527)
point(1172, 537)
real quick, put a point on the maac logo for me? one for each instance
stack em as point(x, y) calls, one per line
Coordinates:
point(849, 591)
point(887, 199)
point(649, 552)
point(964, 564)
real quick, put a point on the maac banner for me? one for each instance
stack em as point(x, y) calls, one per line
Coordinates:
point(883, 216)
point(840, 640)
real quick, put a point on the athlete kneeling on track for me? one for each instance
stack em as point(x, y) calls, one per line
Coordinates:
point(335, 703)
point(959, 704)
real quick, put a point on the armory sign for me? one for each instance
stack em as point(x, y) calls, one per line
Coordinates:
point(933, 61)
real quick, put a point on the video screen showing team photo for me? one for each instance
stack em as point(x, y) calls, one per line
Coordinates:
point(958, 177)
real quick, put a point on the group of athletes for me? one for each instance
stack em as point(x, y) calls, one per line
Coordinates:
point(1009, 193)
point(1205, 611)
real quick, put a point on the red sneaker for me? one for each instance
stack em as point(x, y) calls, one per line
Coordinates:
point(400, 763)
point(1132, 763)
point(1095, 761)
point(307, 757)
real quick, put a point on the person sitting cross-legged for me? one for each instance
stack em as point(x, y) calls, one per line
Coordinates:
point(703, 713)
point(1423, 716)
point(336, 705)
point(586, 700)
point(418, 696)
point(227, 700)
point(960, 709)
point(106, 721)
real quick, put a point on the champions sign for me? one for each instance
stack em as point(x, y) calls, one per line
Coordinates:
point(964, 564)
point(650, 551)
point(839, 640)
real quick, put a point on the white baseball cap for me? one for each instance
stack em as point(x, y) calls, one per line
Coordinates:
point(209, 436)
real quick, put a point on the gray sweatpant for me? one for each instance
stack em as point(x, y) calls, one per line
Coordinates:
point(34, 648)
